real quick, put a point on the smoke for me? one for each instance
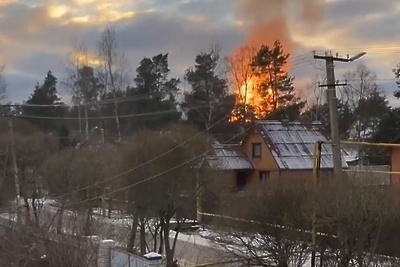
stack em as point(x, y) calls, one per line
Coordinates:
point(269, 20)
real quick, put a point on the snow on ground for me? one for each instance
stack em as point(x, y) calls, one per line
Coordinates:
point(192, 238)
point(204, 236)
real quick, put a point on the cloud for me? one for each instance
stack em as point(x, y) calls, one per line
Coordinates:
point(38, 35)
point(41, 36)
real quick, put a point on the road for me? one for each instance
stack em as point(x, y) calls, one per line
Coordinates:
point(190, 249)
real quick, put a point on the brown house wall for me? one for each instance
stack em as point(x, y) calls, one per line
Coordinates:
point(266, 162)
point(254, 180)
point(395, 166)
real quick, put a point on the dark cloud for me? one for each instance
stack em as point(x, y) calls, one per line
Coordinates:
point(181, 28)
point(20, 86)
point(343, 12)
point(382, 28)
point(38, 64)
point(181, 37)
point(212, 10)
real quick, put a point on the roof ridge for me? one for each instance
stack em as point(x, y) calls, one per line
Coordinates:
point(295, 122)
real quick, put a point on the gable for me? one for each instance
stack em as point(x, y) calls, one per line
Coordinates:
point(267, 161)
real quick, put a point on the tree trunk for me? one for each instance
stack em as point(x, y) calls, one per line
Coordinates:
point(161, 247)
point(60, 218)
point(117, 118)
point(321, 257)
point(114, 91)
point(35, 211)
point(156, 228)
point(28, 212)
point(132, 236)
point(86, 124)
point(109, 207)
point(80, 119)
point(88, 222)
point(142, 235)
point(168, 251)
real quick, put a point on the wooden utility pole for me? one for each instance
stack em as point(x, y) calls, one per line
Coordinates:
point(333, 105)
point(14, 161)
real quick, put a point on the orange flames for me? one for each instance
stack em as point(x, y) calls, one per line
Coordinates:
point(253, 98)
point(265, 22)
point(251, 102)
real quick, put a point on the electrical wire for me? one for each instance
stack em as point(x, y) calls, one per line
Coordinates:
point(145, 163)
point(154, 176)
point(93, 103)
point(119, 116)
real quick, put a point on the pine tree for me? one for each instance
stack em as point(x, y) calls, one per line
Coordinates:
point(269, 65)
point(208, 101)
point(156, 92)
point(40, 104)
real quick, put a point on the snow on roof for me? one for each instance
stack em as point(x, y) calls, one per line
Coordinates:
point(350, 154)
point(229, 157)
point(292, 144)
point(152, 256)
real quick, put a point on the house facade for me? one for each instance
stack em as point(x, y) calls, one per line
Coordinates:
point(272, 150)
point(395, 164)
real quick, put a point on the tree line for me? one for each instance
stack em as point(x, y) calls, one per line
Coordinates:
point(138, 149)
point(106, 105)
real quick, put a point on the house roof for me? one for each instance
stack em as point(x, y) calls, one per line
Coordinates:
point(229, 157)
point(350, 154)
point(292, 144)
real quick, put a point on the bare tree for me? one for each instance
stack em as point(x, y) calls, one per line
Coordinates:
point(359, 220)
point(114, 69)
point(265, 226)
point(36, 245)
point(31, 150)
point(170, 195)
point(83, 83)
point(241, 74)
point(362, 84)
point(3, 85)
point(361, 93)
point(316, 99)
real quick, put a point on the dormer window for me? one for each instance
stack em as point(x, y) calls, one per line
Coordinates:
point(256, 150)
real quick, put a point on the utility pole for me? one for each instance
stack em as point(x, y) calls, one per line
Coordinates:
point(14, 161)
point(333, 104)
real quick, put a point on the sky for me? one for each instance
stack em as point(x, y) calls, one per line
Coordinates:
point(39, 35)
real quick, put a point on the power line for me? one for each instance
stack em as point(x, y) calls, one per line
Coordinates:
point(156, 175)
point(164, 172)
point(93, 103)
point(145, 163)
point(119, 116)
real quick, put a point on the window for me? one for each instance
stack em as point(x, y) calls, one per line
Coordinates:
point(263, 176)
point(256, 150)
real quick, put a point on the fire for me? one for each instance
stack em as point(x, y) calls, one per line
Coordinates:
point(252, 102)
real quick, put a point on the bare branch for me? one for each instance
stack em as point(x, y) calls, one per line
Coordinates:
point(3, 85)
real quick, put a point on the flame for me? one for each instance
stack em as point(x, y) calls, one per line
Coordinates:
point(252, 102)
point(264, 22)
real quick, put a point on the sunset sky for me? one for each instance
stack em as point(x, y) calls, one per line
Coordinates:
point(38, 35)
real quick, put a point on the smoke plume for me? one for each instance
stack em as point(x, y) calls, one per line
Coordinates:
point(269, 20)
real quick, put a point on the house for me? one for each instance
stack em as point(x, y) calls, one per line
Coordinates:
point(395, 163)
point(350, 155)
point(273, 149)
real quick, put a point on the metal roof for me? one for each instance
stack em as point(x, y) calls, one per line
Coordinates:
point(292, 144)
point(229, 157)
